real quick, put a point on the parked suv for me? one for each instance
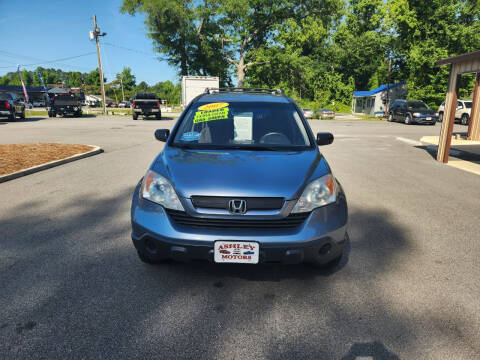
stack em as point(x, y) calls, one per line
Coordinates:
point(240, 180)
point(11, 106)
point(462, 112)
point(411, 112)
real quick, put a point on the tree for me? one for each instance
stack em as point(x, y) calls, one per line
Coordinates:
point(93, 78)
point(127, 78)
point(75, 79)
point(426, 31)
point(206, 35)
point(182, 32)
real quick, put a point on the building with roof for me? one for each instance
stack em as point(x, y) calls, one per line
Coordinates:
point(374, 102)
point(35, 93)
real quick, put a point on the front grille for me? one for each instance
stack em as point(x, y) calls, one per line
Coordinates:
point(253, 203)
point(182, 218)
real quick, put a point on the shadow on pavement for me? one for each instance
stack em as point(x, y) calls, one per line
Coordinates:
point(72, 284)
point(372, 351)
point(455, 153)
point(29, 119)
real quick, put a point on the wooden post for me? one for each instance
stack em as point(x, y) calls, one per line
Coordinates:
point(474, 122)
point(445, 138)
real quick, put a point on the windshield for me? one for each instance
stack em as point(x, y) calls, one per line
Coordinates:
point(5, 96)
point(468, 104)
point(417, 105)
point(245, 125)
point(65, 100)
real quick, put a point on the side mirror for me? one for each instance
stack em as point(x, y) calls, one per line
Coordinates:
point(324, 138)
point(162, 134)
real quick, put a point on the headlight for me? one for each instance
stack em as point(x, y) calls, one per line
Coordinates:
point(158, 189)
point(416, 114)
point(75, 108)
point(320, 192)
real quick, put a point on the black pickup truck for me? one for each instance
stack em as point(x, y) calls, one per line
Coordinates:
point(146, 105)
point(64, 105)
point(11, 106)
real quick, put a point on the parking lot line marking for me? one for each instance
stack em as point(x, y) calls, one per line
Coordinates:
point(409, 141)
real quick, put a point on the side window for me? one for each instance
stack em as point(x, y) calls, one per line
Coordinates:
point(459, 105)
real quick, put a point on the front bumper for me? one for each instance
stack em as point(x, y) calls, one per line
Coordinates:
point(319, 239)
point(425, 119)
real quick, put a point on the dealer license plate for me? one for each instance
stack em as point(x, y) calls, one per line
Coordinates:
point(241, 252)
point(429, 118)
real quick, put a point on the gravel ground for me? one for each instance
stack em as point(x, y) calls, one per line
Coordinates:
point(73, 288)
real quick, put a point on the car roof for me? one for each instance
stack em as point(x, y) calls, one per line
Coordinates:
point(247, 97)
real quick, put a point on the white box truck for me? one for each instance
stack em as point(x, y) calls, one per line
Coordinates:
point(192, 86)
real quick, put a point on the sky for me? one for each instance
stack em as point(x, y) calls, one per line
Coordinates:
point(33, 31)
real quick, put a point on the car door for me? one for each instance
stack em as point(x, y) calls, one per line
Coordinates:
point(16, 104)
point(401, 110)
point(459, 110)
point(393, 110)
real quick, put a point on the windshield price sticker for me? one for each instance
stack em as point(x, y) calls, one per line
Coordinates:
point(213, 106)
point(211, 115)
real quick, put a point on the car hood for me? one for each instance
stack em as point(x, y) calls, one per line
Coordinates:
point(240, 173)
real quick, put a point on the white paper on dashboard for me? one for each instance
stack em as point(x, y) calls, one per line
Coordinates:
point(243, 126)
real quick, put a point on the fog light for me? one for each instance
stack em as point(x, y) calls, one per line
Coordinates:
point(325, 249)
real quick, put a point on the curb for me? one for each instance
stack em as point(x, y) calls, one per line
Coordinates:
point(96, 150)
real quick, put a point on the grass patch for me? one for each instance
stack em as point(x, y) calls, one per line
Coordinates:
point(36, 113)
point(370, 118)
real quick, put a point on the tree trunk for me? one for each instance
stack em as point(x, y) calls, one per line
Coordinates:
point(183, 57)
point(240, 71)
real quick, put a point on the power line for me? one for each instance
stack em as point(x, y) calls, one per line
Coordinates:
point(126, 48)
point(43, 62)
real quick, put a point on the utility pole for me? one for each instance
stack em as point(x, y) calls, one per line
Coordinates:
point(121, 82)
point(95, 34)
point(388, 86)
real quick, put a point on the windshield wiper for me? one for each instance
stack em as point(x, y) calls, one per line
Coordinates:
point(235, 147)
point(253, 148)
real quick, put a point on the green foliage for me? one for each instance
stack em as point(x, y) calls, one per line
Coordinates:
point(127, 78)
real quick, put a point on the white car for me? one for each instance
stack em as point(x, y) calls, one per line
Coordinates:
point(462, 112)
point(308, 113)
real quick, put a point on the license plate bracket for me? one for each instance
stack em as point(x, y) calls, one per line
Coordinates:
point(236, 252)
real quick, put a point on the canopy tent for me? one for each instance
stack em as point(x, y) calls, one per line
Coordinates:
point(462, 64)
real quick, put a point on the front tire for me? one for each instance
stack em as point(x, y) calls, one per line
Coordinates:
point(465, 119)
point(408, 119)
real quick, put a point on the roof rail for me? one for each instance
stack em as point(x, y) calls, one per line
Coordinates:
point(244, 90)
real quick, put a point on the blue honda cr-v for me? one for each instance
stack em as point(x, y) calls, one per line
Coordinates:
point(240, 180)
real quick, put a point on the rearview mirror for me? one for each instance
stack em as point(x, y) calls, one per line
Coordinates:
point(324, 138)
point(162, 134)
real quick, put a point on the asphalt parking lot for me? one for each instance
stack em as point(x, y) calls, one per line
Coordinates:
point(71, 285)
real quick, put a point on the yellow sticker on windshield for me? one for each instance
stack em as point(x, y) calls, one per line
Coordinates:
point(210, 115)
point(213, 106)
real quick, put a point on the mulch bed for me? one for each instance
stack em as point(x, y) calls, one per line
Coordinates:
point(16, 157)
